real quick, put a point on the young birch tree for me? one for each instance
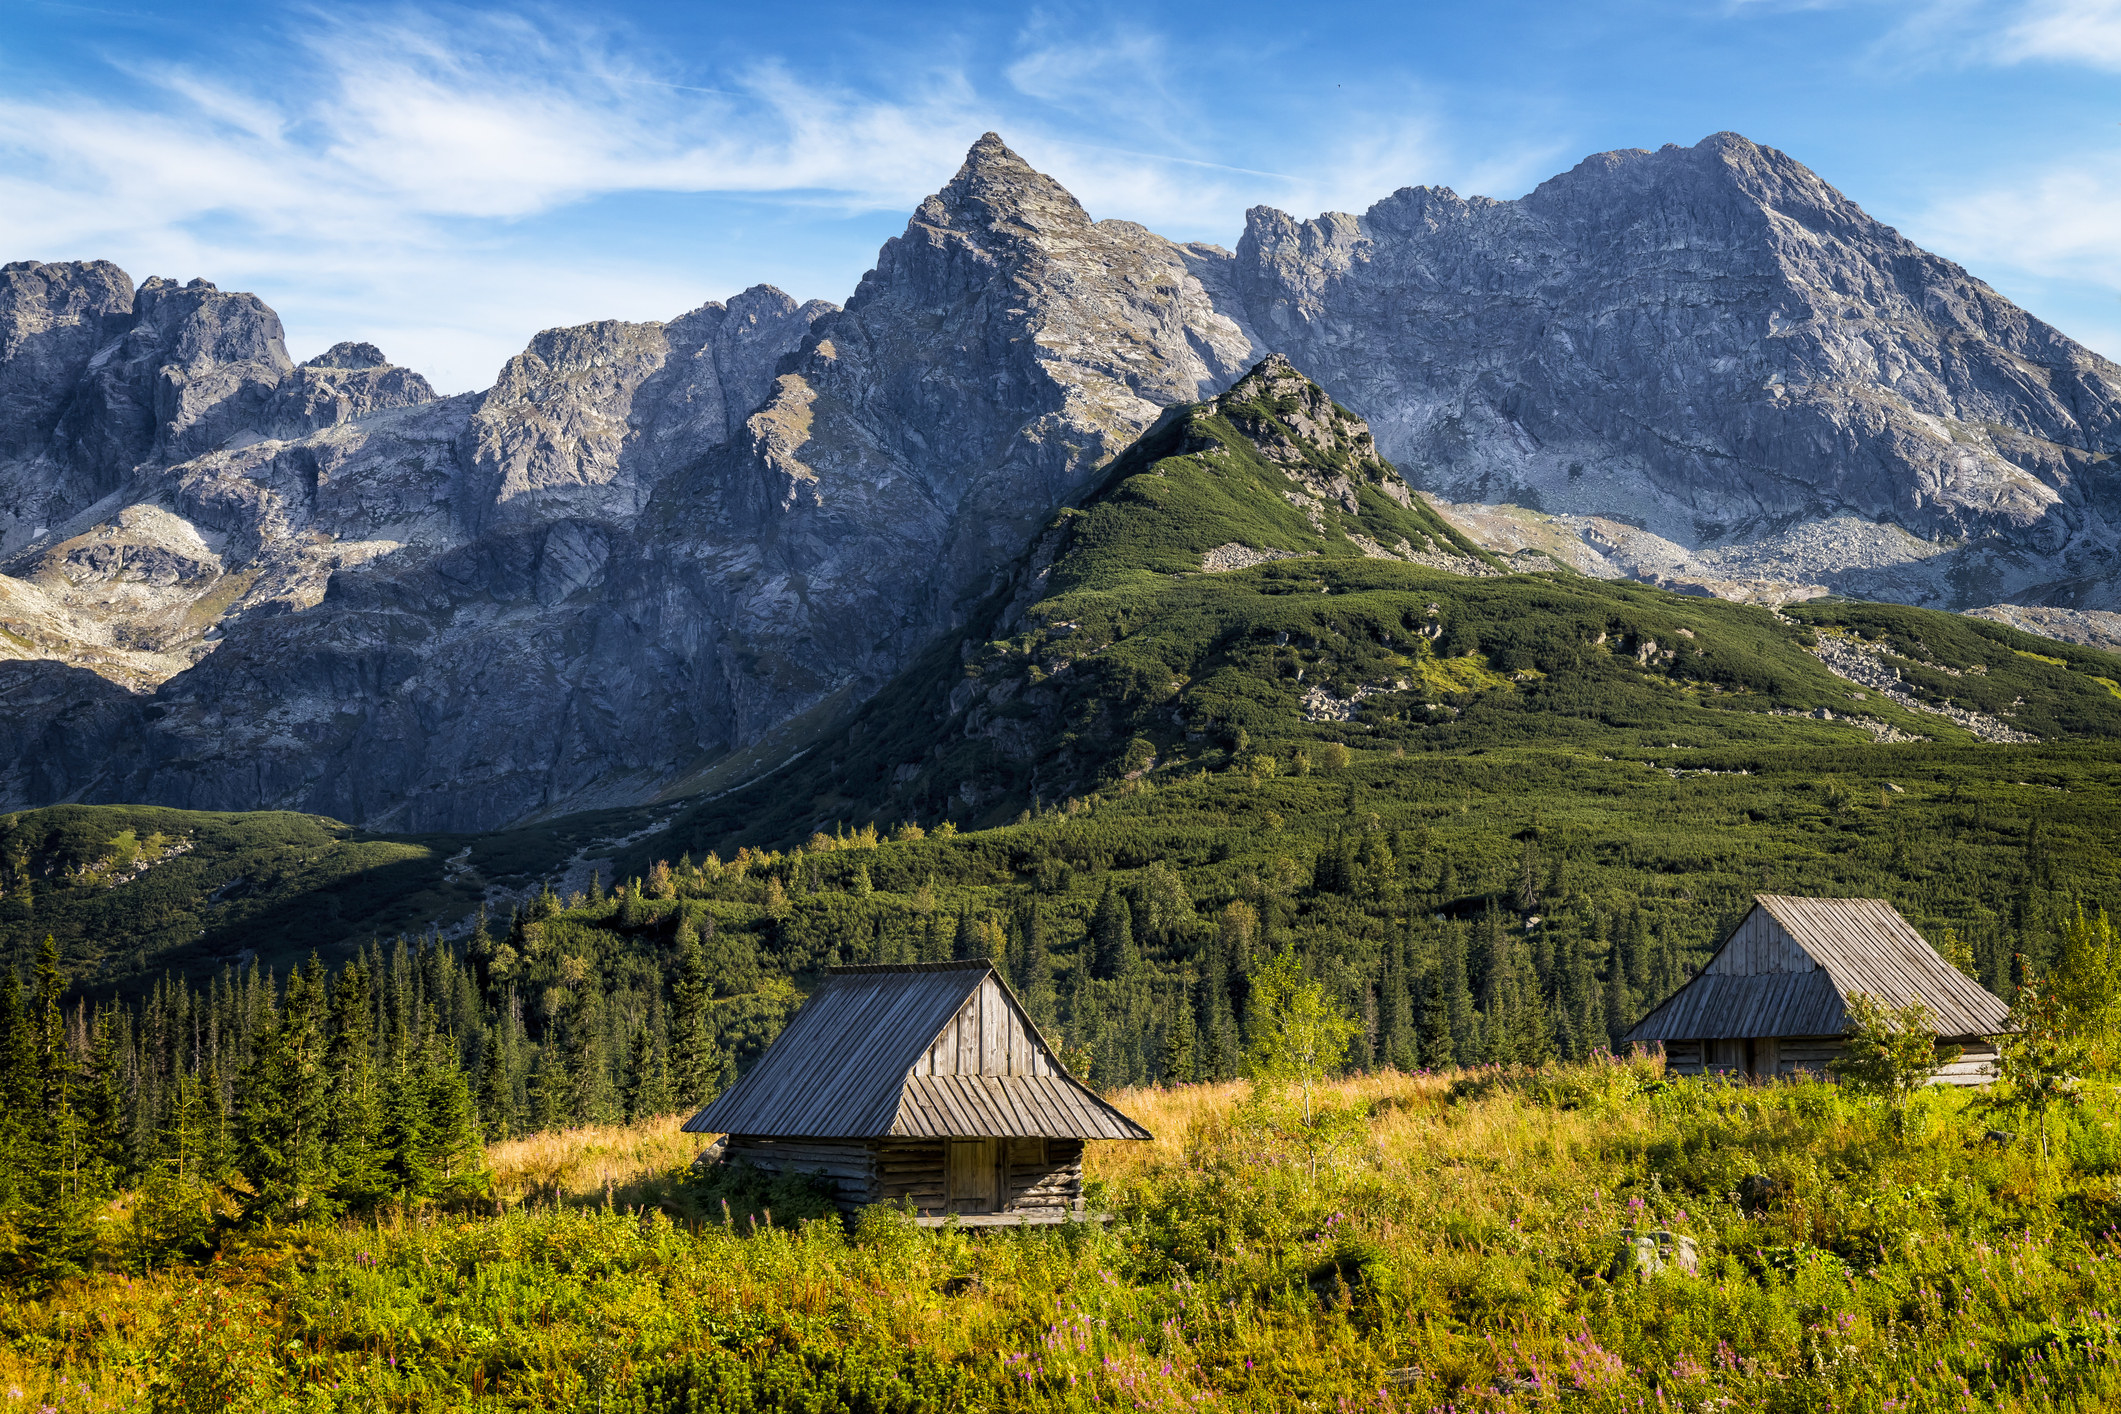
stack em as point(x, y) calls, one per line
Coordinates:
point(1298, 1039)
point(1890, 1052)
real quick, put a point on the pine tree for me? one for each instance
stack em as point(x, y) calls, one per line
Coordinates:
point(286, 1108)
point(1112, 936)
point(361, 1174)
point(454, 1159)
point(1181, 1038)
point(694, 1064)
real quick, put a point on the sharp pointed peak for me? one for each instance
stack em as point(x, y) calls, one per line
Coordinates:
point(1271, 376)
point(996, 177)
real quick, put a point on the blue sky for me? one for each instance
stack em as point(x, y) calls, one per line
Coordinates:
point(445, 181)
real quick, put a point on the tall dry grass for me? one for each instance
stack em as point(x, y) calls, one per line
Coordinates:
point(588, 1163)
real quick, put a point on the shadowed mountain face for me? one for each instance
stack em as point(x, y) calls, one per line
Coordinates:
point(231, 582)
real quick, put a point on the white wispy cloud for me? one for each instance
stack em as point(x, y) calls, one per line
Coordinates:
point(2065, 31)
point(1933, 34)
point(2059, 222)
point(392, 168)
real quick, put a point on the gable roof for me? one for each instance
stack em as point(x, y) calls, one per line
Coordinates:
point(1794, 976)
point(844, 1068)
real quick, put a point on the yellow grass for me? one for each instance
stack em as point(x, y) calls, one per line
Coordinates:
point(584, 1164)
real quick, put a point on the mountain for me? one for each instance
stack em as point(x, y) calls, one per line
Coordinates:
point(1245, 650)
point(656, 559)
point(1253, 587)
point(1716, 370)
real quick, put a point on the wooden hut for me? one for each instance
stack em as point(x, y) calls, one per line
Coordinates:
point(1773, 1000)
point(924, 1083)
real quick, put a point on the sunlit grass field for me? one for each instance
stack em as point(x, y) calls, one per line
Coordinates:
point(1435, 1242)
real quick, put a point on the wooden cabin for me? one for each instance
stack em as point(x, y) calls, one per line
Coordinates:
point(1773, 1000)
point(922, 1083)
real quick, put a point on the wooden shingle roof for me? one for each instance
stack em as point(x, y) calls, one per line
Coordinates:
point(924, 1050)
point(1790, 966)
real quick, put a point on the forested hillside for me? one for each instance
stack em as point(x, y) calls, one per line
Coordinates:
point(1497, 817)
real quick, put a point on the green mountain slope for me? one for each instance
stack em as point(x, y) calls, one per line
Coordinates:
point(1366, 620)
point(130, 892)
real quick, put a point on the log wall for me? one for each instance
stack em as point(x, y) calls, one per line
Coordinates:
point(849, 1163)
point(1787, 1057)
point(1041, 1175)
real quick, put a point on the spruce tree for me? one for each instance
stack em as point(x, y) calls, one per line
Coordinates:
point(286, 1106)
point(408, 1136)
point(454, 1160)
point(103, 1097)
point(66, 1183)
point(589, 1055)
point(651, 1092)
point(1459, 1016)
point(18, 1070)
point(551, 1092)
point(693, 1063)
point(175, 1212)
point(1181, 1038)
point(1635, 955)
point(361, 1176)
point(1398, 1044)
point(1619, 1005)
point(1032, 973)
point(1112, 936)
point(496, 1101)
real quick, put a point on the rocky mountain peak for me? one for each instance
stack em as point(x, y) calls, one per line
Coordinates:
point(1784, 360)
point(349, 355)
point(997, 187)
point(997, 208)
point(1296, 425)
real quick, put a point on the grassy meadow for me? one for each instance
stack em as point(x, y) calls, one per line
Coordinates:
point(1430, 1242)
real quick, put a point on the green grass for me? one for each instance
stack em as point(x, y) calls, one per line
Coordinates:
point(1462, 1248)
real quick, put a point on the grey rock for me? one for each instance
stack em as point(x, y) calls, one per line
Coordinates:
point(348, 355)
point(53, 319)
point(1715, 345)
point(1649, 1254)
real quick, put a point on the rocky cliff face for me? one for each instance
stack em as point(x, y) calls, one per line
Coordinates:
point(647, 544)
point(232, 582)
point(1713, 346)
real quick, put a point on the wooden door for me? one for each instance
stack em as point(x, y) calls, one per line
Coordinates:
point(972, 1176)
point(1767, 1057)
